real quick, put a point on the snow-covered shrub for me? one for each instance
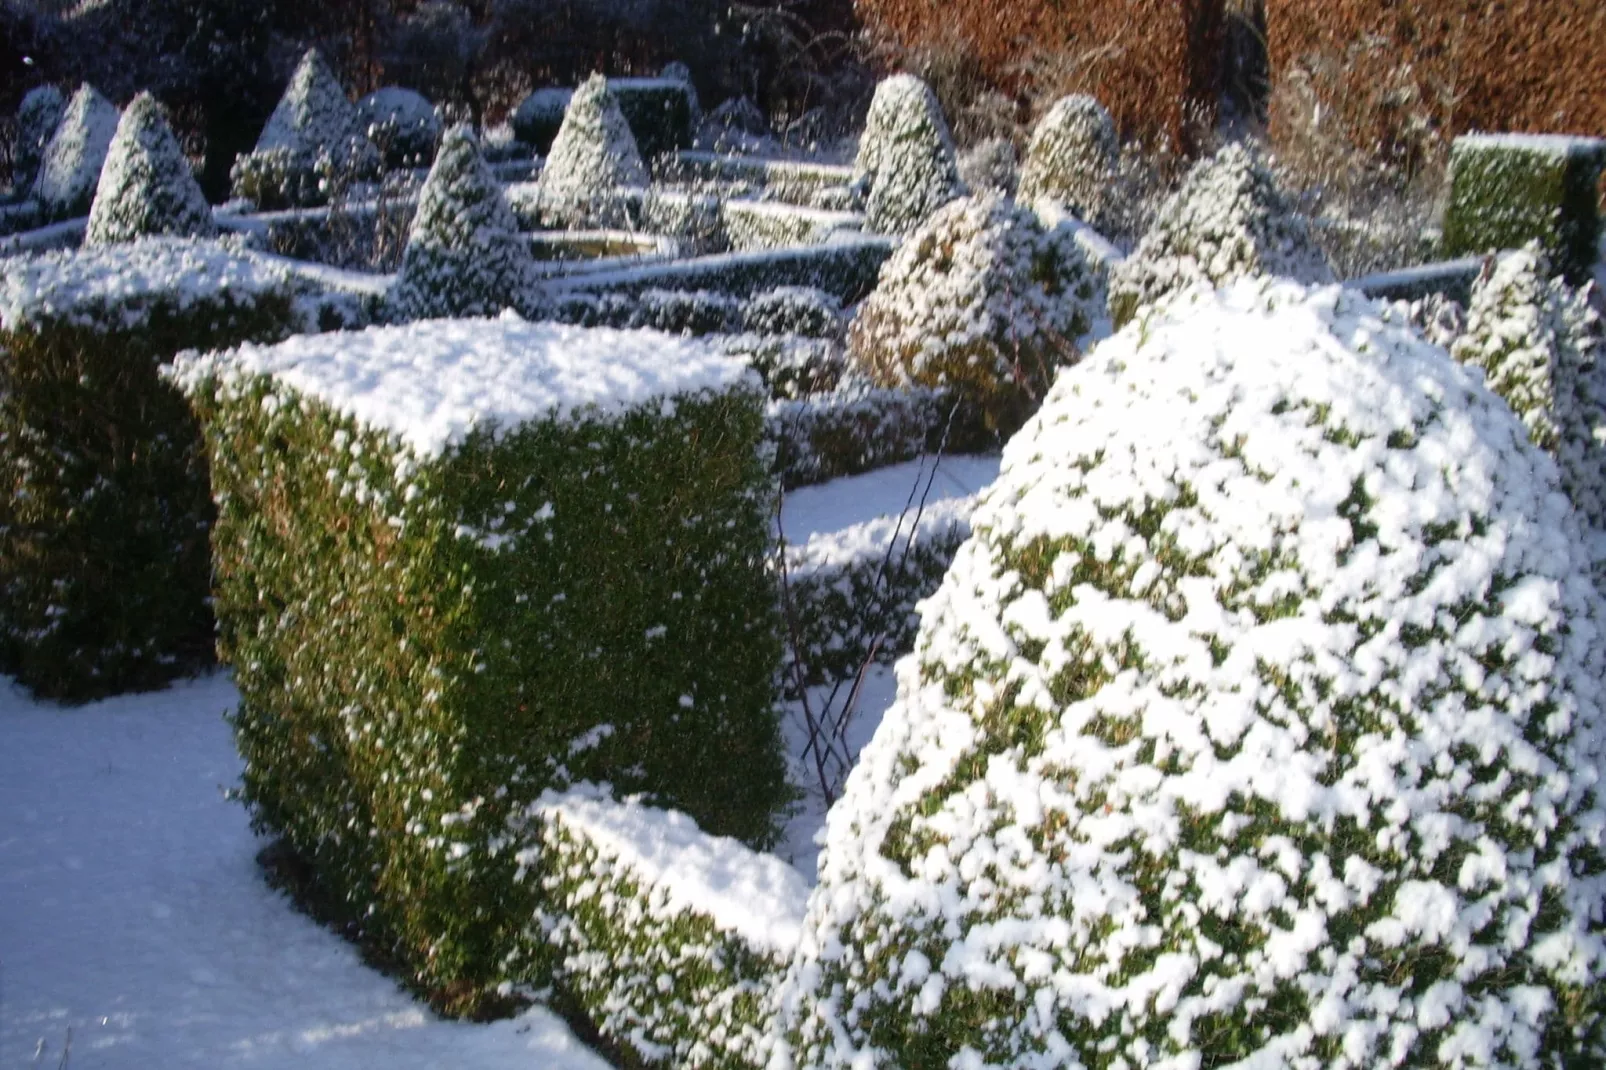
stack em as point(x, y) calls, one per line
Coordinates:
point(449, 552)
point(849, 430)
point(774, 225)
point(670, 939)
point(593, 155)
point(310, 145)
point(104, 566)
point(991, 166)
point(1257, 724)
point(802, 310)
point(402, 124)
point(1538, 342)
point(73, 158)
point(37, 118)
point(662, 113)
point(1071, 157)
point(906, 157)
point(793, 366)
point(1509, 189)
point(1228, 221)
point(146, 186)
point(539, 117)
point(981, 300)
point(465, 255)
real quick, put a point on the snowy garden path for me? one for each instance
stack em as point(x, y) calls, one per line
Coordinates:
point(132, 912)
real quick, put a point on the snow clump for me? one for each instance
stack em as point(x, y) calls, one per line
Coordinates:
point(465, 255)
point(1538, 342)
point(1071, 157)
point(983, 300)
point(1227, 221)
point(73, 158)
point(402, 124)
point(146, 186)
point(593, 155)
point(1257, 724)
point(37, 117)
point(906, 157)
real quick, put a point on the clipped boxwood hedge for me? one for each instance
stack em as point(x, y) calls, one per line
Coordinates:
point(104, 563)
point(847, 270)
point(532, 532)
point(848, 431)
point(1509, 189)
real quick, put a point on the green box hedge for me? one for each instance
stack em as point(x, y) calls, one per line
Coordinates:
point(447, 556)
point(845, 432)
point(1509, 189)
point(104, 563)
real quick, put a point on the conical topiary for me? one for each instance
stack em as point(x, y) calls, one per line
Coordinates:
point(37, 118)
point(1258, 724)
point(593, 155)
point(1538, 342)
point(1228, 221)
point(464, 256)
point(73, 158)
point(906, 157)
point(146, 186)
point(313, 113)
point(1071, 157)
point(981, 300)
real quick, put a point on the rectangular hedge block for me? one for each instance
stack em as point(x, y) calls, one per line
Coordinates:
point(659, 111)
point(847, 270)
point(1509, 189)
point(104, 563)
point(462, 562)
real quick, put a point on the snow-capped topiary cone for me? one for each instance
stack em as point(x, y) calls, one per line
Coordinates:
point(980, 299)
point(1071, 157)
point(1258, 724)
point(465, 255)
point(906, 157)
point(73, 158)
point(1228, 221)
point(146, 186)
point(313, 114)
point(37, 117)
point(1538, 342)
point(593, 155)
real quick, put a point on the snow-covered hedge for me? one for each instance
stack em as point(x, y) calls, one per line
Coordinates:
point(1538, 342)
point(104, 565)
point(446, 554)
point(593, 156)
point(1071, 157)
point(539, 116)
point(797, 182)
point(402, 124)
point(906, 157)
point(146, 186)
point(37, 117)
point(1228, 221)
point(848, 431)
point(786, 311)
point(845, 269)
point(1257, 724)
point(981, 300)
point(772, 225)
point(1509, 189)
point(671, 940)
point(74, 155)
point(465, 255)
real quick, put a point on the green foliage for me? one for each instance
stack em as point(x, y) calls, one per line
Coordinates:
point(419, 644)
point(1507, 190)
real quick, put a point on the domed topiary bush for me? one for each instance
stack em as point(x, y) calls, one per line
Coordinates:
point(146, 185)
point(593, 155)
point(1257, 724)
point(1228, 221)
point(906, 157)
point(37, 117)
point(402, 124)
point(73, 157)
point(982, 300)
point(1071, 157)
point(465, 255)
point(1538, 342)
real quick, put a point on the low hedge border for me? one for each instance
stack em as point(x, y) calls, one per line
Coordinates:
point(751, 225)
point(847, 270)
point(789, 181)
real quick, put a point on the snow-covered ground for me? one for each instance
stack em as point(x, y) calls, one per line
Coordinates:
point(133, 915)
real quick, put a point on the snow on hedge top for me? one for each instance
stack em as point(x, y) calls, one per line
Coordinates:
point(146, 186)
point(313, 114)
point(594, 151)
point(1227, 221)
point(1544, 144)
point(73, 158)
point(431, 383)
point(756, 896)
point(37, 117)
point(128, 277)
point(1258, 724)
point(906, 154)
point(1071, 157)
